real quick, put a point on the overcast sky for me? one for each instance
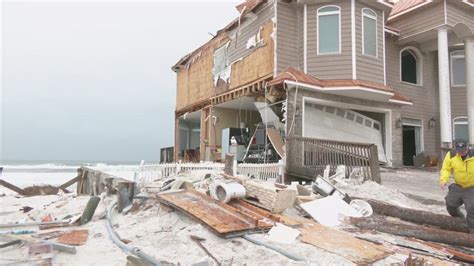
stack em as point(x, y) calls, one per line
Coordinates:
point(92, 81)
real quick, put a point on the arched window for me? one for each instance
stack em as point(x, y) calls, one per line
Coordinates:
point(460, 129)
point(369, 32)
point(411, 66)
point(329, 30)
point(458, 68)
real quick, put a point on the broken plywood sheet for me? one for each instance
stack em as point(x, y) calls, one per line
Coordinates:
point(347, 246)
point(221, 218)
point(277, 141)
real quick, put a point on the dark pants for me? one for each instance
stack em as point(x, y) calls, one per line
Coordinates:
point(458, 196)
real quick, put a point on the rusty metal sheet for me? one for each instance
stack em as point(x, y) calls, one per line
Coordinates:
point(222, 219)
point(74, 237)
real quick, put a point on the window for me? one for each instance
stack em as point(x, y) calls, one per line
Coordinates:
point(410, 66)
point(221, 60)
point(460, 128)
point(369, 32)
point(458, 68)
point(329, 30)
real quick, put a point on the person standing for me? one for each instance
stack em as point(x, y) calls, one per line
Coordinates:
point(460, 162)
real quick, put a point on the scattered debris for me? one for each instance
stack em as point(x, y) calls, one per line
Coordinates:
point(283, 234)
point(89, 210)
point(26, 209)
point(273, 247)
point(198, 241)
point(74, 237)
point(41, 253)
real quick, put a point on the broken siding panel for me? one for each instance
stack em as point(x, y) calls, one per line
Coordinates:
point(287, 37)
point(456, 15)
point(238, 46)
point(369, 67)
point(258, 64)
point(420, 20)
point(333, 66)
point(425, 98)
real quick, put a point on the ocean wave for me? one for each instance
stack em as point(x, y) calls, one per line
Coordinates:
point(58, 167)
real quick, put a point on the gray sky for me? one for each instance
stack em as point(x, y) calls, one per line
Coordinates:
point(92, 81)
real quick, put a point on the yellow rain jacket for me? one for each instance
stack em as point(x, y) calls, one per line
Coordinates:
point(463, 169)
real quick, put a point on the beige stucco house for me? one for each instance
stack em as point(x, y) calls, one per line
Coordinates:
point(399, 74)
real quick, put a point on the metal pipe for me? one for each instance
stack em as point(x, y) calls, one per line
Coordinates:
point(126, 248)
point(34, 224)
point(274, 248)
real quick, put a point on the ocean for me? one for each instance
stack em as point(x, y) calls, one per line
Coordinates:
point(55, 173)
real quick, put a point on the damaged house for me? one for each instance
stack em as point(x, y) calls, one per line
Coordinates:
point(396, 74)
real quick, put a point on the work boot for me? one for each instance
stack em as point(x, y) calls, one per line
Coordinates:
point(455, 212)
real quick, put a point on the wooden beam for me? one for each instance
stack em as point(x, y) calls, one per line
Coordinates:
point(382, 224)
point(420, 217)
point(70, 182)
point(12, 187)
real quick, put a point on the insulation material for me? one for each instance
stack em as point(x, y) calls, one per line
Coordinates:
point(251, 42)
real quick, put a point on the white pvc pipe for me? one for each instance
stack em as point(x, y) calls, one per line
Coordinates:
point(225, 192)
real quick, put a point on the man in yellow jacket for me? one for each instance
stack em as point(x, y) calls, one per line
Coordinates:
point(460, 161)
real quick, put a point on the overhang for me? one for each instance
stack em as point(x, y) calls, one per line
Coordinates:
point(359, 89)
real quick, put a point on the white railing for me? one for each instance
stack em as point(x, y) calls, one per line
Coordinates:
point(148, 173)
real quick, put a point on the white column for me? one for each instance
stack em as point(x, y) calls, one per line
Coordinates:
point(444, 88)
point(469, 55)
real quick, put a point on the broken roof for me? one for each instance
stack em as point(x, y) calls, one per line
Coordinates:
point(243, 8)
point(295, 75)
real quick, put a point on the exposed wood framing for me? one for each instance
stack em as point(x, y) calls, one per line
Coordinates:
point(254, 88)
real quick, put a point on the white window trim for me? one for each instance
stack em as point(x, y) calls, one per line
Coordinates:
point(422, 132)
point(419, 66)
point(464, 122)
point(225, 46)
point(456, 55)
point(376, 32)
point(317, 27)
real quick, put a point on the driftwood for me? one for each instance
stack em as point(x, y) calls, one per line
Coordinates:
point(420, 217)
point(382, 224)
point(12, 187)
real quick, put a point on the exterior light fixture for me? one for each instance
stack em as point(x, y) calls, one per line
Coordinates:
point(431, 123)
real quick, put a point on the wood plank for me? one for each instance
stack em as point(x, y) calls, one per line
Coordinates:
point(12, 187)
point(345, 245)
point(221, 218)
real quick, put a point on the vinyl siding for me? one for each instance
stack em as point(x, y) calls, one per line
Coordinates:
point(369, 67)
point(238, 46)
point(334, 66)
point(458, 98)
point(425, 98)
point(420, 20)
point(457, 14)
point(287, 37)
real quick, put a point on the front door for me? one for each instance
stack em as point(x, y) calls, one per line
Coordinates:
point(412, 139)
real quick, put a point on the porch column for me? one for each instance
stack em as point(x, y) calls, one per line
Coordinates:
point(444, 88)
point(469, 55)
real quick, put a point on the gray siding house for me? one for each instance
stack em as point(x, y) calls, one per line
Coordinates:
point(399, 74)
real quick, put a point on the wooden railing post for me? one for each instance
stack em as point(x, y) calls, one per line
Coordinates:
point(374, 164)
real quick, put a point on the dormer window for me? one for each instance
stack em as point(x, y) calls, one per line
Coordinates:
point(329, 30)
point(458, 68)
point(411, 66)
point(369, 32)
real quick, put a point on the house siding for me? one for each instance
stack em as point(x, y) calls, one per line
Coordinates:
point(420, 20)
point(369, 67)
point(238, 44)
point(458, 97)
point(287, 37)
point(456, 15)
point(333, 66)
point(425, 97)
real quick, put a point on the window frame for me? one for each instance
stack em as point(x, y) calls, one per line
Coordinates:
point(224, 46)
point(318, 13)
point(419, 65)
point(376, 31)
point(457, 55)
point(463, 121)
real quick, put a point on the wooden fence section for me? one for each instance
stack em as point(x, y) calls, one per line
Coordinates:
point(308, 157)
